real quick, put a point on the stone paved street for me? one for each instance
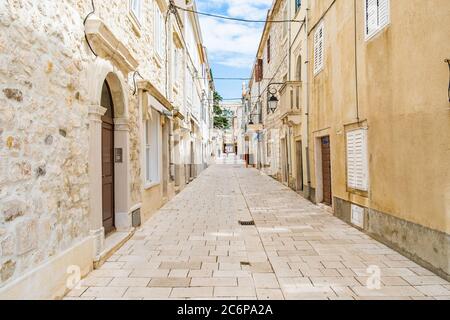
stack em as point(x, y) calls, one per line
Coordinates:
point(194, 248)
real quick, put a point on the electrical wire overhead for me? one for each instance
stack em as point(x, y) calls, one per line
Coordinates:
point(233, 19)
point(84, 23)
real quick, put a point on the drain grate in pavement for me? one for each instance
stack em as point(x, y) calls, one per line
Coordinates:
point(245, 263)
point(247, 223)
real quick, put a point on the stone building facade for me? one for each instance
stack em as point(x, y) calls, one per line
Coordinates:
point(279, 71)
point(92, 97)
point(373, 136)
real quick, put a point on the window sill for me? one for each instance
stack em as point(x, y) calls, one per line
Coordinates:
point(374, 34)
point(136, 25)
point(151, 185)
point(361, 193)
point(157, 59)
point(316, 73)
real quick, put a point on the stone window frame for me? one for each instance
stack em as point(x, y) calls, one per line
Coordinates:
point(159, 31)
point(136, 18)
point(177, 63)
point(152, 149)
point(285, 15)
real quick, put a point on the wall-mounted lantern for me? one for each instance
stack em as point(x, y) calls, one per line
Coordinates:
point(273, 101)
point(251, 120)
point(272, 97)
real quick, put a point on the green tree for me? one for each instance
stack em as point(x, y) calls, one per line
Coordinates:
point(221, 117)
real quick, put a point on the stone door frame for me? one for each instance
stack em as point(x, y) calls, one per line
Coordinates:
point(102, 70)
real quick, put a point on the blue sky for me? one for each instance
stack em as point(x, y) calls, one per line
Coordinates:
point(232, 45)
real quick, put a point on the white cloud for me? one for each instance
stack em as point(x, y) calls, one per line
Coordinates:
point(233, 43)
point(249, 9)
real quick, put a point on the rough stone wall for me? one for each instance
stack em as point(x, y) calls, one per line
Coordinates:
point(276, 70)
point(44, 133)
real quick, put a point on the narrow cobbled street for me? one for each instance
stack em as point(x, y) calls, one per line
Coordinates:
point(195, 248)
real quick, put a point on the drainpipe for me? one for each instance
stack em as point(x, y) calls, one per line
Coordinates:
point(356, 66)
point(289, 41)
point(308, 164)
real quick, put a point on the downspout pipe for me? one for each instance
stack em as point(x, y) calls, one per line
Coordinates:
point(308, 162)
point(356, 66)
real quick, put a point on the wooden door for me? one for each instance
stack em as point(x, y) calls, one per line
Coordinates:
point(299, 165)
point(108, 161)
point(326, 171)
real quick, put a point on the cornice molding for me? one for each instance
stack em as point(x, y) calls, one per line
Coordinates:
point(108, 46)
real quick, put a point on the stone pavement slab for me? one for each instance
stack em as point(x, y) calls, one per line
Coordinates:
point(195, 248)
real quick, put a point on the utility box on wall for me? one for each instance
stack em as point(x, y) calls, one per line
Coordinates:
point(136, 218)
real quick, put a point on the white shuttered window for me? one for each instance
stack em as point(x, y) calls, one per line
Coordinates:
point(357, 160)
point(318, 48)
point(377, 16)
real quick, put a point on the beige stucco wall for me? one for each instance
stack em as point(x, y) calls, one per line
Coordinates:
point(402, 99)
point(152, 200)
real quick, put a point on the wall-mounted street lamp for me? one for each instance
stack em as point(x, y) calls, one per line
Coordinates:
point(272, 99)
point(251, 121)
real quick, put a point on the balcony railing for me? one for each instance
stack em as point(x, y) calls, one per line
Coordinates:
point(291, 97)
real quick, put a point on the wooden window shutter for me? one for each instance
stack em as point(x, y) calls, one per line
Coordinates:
point(377, 16)
point(268, 50)
point(357, 160)
point(259, 70)
point(371, 16)
point(316, 46)
point(318, 49)
point(383, 13)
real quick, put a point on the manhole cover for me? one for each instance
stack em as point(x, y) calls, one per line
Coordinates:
point(247, 223)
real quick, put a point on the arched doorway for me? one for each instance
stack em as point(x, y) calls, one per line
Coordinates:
point(108, 200)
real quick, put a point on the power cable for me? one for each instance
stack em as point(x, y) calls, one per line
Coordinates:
point(172, 9)
point(134, 81)
point(235, 79)
point(282, 61)
point(84, 23)
point(233, 19)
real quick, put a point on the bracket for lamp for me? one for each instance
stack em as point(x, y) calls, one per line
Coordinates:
point(272, 100)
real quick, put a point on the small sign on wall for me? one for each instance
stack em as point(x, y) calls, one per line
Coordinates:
point(358, 216)
point(118, 155)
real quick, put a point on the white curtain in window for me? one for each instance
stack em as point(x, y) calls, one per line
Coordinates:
point(136, 9)
point(152, 148)
point(159, 31)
